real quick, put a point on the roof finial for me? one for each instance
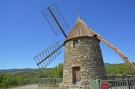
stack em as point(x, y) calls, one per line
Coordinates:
point(78, 13)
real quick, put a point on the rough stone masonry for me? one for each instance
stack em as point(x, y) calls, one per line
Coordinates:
point(83, 58)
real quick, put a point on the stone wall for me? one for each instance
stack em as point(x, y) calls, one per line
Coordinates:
point(87, 55)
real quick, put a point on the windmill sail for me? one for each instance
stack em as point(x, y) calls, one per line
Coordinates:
point(55, 20)
point(44, 58)
point(116, 50)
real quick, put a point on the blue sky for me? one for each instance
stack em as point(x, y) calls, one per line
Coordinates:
point(24, 32)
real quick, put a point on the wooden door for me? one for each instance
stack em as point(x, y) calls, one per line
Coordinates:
point(76, 75)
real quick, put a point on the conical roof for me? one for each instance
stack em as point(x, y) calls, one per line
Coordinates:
point(80, 29)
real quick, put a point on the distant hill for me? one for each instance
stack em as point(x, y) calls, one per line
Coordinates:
point(25, 70)
point(110, 68)
point(107, 64)
point(17, 70)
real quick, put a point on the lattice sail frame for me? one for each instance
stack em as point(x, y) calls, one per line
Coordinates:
point(44, 58)
point(55, 19)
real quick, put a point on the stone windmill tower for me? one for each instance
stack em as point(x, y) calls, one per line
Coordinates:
point(83, 58)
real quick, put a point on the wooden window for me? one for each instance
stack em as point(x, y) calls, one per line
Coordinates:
point(76, 75)
point(75, 42)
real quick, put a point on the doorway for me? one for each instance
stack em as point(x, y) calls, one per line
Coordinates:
point(76, 75)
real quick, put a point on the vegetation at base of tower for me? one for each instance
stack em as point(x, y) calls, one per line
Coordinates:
point(55, 72)
point(20, 77)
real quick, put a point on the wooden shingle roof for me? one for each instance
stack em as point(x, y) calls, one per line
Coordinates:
point(80, 29)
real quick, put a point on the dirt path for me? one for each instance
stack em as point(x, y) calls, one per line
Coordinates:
point(32, 87)
point(28, 87)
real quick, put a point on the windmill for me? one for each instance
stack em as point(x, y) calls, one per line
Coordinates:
point(89, 45)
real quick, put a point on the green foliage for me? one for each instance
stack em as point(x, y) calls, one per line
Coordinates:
point(23, 77)
point(11, 79)
point(119, 69)
point(55, 72)
point(17, 79)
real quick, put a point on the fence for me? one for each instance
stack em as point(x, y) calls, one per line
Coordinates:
point(94, 84)
point(120, 77)
point(1, 85)
point(53, 82)
point(113, 84)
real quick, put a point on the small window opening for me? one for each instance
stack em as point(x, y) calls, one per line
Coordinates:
point(75, 42)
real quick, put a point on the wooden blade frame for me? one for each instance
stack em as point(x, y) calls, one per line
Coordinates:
point(47, 56)
point(116, 50)
point(55, 20)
